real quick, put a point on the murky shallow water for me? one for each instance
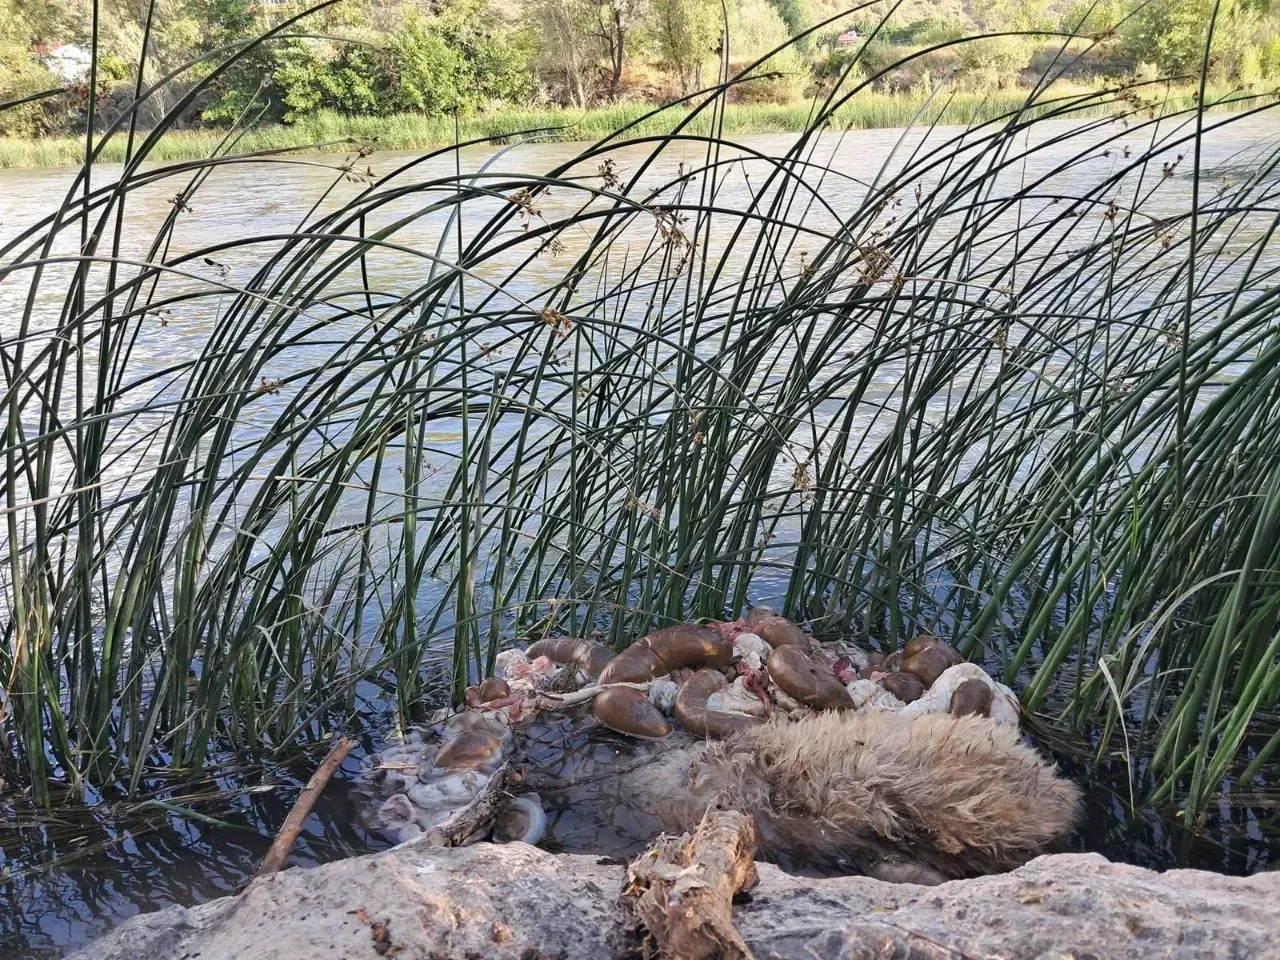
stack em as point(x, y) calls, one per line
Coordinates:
point(70, 878)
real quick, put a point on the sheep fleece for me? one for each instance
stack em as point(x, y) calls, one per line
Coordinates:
point(959, 793)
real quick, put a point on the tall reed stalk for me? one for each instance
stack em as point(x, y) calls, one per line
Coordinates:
point(1008, 382)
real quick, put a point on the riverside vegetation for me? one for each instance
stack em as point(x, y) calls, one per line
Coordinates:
point(452, 407)
point(415, 73)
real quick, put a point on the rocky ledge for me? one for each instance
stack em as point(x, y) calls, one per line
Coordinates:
point(418, 902)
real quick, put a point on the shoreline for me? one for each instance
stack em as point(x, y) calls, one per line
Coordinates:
point(328, 132)
point(513, 901)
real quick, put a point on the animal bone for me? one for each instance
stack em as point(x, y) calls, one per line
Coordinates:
point(562, 701)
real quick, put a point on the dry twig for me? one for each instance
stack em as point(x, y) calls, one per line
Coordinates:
point(682, 890)
point(292, 826)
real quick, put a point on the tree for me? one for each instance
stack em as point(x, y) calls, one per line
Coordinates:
point(402, 59)
point(615, 20)
point(997, 15)
point(686, 32)
point(1171, 34)
point(20, 75)
point(569, 48)
point(755, 28)
point(999, 61)
point(457, 60)
point(1088, 17)
point(797, 15)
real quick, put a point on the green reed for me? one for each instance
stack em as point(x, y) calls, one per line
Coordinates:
point(453, 405)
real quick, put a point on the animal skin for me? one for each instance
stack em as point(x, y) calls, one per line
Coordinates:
point(960, 794)
point(925, 800)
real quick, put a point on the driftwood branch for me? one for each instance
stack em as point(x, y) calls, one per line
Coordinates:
point(477, 814)
point(682, 890)
point(292, 825)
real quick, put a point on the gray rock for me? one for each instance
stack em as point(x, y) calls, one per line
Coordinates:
point(515, 902)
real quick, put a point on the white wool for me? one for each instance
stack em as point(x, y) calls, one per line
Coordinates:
point(428, 817)
point(427, 770)
point(451, 791)
point(392, 781)
point(869, 695)
point(662, 694)
point(410, 753)
point(461, 786)
point(1004, 706)
point(752, 649)
point(937, 699)
point(402, 833)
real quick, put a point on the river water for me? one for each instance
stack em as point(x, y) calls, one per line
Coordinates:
point(69, 878)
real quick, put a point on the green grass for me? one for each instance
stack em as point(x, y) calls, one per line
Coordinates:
point(1041, 414)
point(334, 132)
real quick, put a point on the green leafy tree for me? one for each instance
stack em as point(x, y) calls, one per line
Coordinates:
point(225, 21)
point(686, 32)
point(570, 49)
point(755, 28)
point(997, 15)
point(1171, 34)
point(314, 74)
point(798, 17)
point(456, 60)
point(20, 75)
point(1089, 17)
point(999, 61)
